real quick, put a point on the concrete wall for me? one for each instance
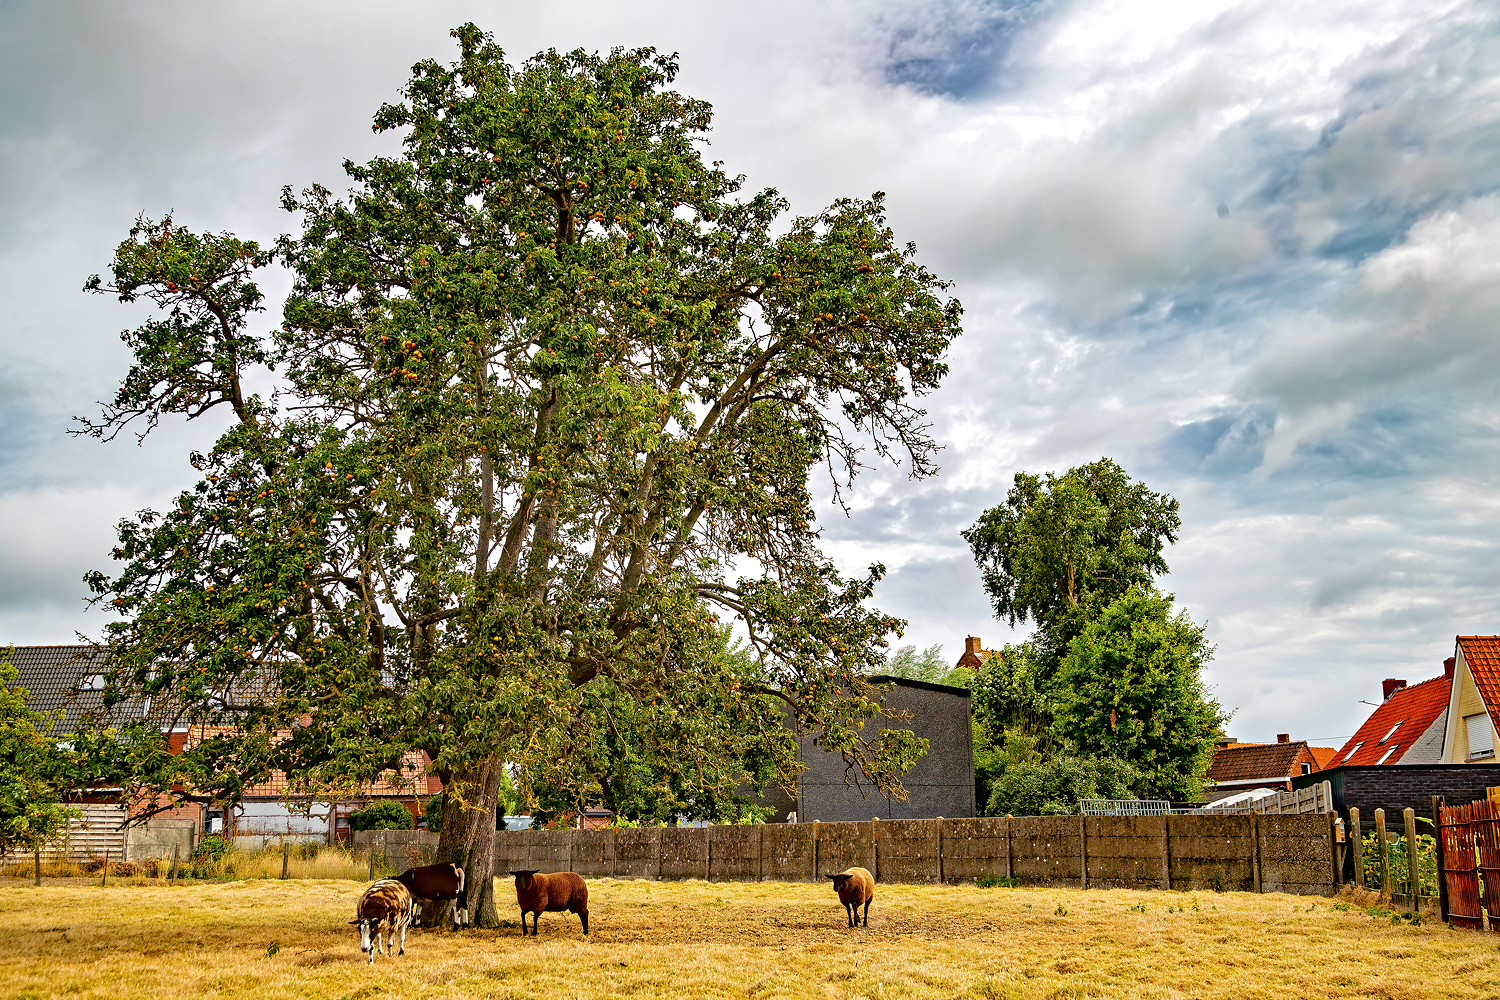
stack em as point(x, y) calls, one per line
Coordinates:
point(1292, 854)
point(941, 783)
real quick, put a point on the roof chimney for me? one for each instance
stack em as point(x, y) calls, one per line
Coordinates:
point(1283, 737)
point(1390, 686)
point(971, 645)
point(1448, 668)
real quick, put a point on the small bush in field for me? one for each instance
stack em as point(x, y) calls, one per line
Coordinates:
point(988, 881)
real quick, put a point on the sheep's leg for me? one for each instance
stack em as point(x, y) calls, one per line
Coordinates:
point(403, 940)
point(850, 914)
point(867, 913)
point(584, 916)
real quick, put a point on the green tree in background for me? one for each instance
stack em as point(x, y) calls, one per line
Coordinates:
point(1130, 688)
point(1024, 782)
point(928, 665)
point(552, 392)
point(1061, 548)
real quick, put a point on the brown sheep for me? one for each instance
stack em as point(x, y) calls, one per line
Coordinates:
point(386, 900)
point(536, 892)
point(855, 886)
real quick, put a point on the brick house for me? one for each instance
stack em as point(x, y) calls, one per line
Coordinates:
point(1408, 726)
point(1474, 701)
point(67, 683)
point(1242, 767)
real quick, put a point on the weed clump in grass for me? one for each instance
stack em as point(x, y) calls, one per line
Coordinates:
point(988, 881)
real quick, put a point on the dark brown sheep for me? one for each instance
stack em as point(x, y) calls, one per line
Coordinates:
point(855, 886)
point(536, 892)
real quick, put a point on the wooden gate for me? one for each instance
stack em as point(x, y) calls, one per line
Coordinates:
point(1470, 841)
point(1460, 874)
point(1485, 818)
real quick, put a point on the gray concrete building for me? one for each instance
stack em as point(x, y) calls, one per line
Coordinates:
point(941, 784)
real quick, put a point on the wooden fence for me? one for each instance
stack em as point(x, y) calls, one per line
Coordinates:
point(1312, 799)
point(1469, 863)
point(1293, 854)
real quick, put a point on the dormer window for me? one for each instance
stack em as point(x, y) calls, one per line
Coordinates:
point(1392, 732)
point(94, 683)
point(1307, 769)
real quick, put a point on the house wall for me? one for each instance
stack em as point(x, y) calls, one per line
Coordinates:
point(1464, 701)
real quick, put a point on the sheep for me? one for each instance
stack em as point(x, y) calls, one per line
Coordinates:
point(536, 892)
point(435, 884)
point(389, 900)
point(855, 886)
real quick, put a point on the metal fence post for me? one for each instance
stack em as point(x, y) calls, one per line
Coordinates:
point(286, 859)
point(37, 857)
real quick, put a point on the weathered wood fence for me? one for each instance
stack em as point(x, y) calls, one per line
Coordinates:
point(1292, 854)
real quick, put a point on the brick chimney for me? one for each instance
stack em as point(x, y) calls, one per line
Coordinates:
point(1390, 686)
point(1283, 737)
point(971, 645)
point(1448, 668)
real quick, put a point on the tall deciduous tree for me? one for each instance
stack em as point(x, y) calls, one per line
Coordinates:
point(1061, 548)
point(33, 772)
point(553, 393)
point(1130, 688)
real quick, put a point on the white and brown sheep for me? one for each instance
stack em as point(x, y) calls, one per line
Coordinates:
point(385, 901)
point(537, 892)
point(855, 886)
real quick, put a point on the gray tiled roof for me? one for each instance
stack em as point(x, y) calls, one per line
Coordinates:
point(61, 677)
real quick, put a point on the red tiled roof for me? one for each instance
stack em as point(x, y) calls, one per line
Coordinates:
point(1482, 654)
point(1261, 760)
point(1413, 707)
point(1323, 756)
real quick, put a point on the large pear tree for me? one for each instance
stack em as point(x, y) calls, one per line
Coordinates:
point(550, 392)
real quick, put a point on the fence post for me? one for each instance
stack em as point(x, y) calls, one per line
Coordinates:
point(815, 851)
point(875, 844)
point(1083, 851)
point(1442, 878)
point(172, 872)
point(708, 853)
point(1413, 876)
point(940, 850)
point(1357, 846)
point(104, 872)
point(1255, 855)
point(1384, 846)
point(1166, 851)
point(286, 859)
point(37, 876)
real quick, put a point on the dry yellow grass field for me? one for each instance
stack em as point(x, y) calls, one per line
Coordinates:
point(269, 938)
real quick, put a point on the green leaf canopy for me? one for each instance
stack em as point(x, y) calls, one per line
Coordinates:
point(553, 390)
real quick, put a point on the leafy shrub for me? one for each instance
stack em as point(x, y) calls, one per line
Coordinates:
point(432, 812)
point(988, 881)
point(384, 814)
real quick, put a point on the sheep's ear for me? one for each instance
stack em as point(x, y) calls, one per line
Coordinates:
point(354, 922)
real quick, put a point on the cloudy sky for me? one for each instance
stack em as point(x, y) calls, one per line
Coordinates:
point(1247, 249)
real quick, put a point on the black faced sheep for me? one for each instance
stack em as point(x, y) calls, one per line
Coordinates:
point(536, 892)
point(855, 886)
point(386, 900)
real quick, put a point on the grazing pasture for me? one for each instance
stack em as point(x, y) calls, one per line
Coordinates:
point(273, 939)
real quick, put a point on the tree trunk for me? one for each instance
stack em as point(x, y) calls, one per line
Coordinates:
point(468, 834)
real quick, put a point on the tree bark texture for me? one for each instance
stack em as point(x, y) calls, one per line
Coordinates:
point(469, 832)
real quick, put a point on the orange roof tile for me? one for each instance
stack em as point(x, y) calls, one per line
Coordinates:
point(1323, 756)
point(1482, 654)
point(1409, 711)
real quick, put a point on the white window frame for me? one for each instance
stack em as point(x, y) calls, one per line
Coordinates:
point(1387, 755)
point(1392, 732)
point(1351, 753)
